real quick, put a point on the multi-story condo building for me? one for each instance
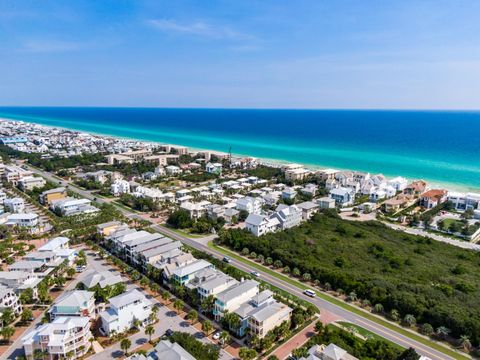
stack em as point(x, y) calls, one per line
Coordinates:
point(342, 196)
point(65, 337)
point(74, 303)
point(28, 183)
point(184, 274)
point(14, 205)
point(464, 201)
point(8, 299)
point(210, 282)
point(28, 221)
point(19, 281)
point(250, 204)
point(71, 206)
point(260, 225)
point(48, 196)
point(120, 187)
point(267, 313)
point(288, 216)
point(14, 173)
point(231, 298)
point(124, 310)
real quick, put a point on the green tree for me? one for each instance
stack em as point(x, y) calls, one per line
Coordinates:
point(8, 316)
point(7, 333)
point(225, 338)
point(178, 305)
point(26, 315)
point(149, 330)
point(378, 308)
point(192, 316)
point(207, 327)
point(247, 354)
point(70, 272)
point(427, 329)
point(409, 320)
point(166, 296)
point(125, 344)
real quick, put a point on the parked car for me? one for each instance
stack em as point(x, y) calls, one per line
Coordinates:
point(169, 332)
point(80, 269)
point(216, 336)
point(227, 259)
point(255, 273)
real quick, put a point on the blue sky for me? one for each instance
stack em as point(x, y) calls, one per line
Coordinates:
point(264, 53)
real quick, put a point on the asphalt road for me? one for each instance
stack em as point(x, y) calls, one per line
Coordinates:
point(320, 303)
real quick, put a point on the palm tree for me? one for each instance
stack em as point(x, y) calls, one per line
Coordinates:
point(394, 315)
point(7, 333)
point(192, 316)
point(149, 330)
point(137, 323)
point(278, 264)
point(166, 296)
point(260, 258)
point(352, 296)
point(378, 308)
point(207, 304)
point(442, 332)
point(269, 261)
point(307, 277)
point(233, 320)
point(125, 344)
point(319, 327)
point(465, 343)
point(296, 272)
point(178, 305)
point(247, 354)
point(409, 320)
point(426, 329)
point(225, 338)
point(286, 269)
point(207, 327)
point(26, 314)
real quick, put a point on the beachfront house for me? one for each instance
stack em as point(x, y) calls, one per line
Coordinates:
point(342, 196)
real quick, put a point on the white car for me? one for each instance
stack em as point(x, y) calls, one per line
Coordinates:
point(255, 273)
point(216, 336)
point(310, 293)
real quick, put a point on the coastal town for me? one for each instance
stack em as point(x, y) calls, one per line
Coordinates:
point(120, 248)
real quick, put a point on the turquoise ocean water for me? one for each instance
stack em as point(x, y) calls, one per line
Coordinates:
point(440, 146)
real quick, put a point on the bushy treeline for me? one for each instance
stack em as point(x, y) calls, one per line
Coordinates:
point(369, 349)
point(413, 278)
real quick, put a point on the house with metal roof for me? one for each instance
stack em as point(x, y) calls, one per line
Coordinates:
point(124, 310)
point(74, 303)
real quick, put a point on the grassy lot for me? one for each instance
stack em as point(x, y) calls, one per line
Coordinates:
point(344, 305)
point(183, 232)
point(366, 333)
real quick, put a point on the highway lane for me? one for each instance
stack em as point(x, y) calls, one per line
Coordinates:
point(321, 303)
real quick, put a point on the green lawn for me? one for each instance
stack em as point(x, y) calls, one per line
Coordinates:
point(183, 232)
point(367, 334)
point(341, 303)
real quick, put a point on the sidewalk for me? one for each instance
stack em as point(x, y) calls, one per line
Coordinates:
point(298, 340)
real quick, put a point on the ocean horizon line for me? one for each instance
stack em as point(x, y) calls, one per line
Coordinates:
point(262, 160)
point(388, 142)
point(472, 110)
